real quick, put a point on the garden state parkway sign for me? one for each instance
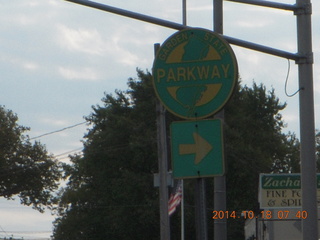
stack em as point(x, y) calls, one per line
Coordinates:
point(194, 73)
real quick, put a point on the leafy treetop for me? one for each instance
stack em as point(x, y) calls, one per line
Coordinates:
point(26, 169)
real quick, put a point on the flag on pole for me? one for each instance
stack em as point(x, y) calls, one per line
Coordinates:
point(175, 198)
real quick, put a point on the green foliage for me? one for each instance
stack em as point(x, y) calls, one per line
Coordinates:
point(254, 145)
point(110, 193)
point(26, 169)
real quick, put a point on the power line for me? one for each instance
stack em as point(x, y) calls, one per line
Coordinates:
point(80, 150)
point(30, 235)
point(30, 232)
point(4, 231)
point(56, 131)
point(71, 151)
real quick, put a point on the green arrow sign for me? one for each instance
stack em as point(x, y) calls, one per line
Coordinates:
point(194, 73)
point(197, 148)
point(200, 148)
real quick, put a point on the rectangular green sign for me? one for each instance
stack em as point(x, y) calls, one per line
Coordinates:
point(197, 148)
point(283, 181)
point(282, 191)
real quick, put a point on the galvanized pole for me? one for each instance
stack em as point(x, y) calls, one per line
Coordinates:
point(163, 168)
point(220, 225)
point(182, 210)
point(184, 22)
point(218, 16)
point(201, 216)
point(307, 128)
point(184, 12)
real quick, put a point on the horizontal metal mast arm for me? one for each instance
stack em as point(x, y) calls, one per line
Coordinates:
point(264, 49)
point(129, 14)
point(178, 26)
point(283, 6)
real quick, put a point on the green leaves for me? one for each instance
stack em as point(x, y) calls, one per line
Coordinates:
point(26, 169)
point(111, 186)
point(254, 144)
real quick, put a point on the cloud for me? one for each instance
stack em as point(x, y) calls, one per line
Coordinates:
point(253, 24)
point(317, 86)
point(26, 13)
point(88, 74)
point(92, 42)
point(20, 62)
point(19, 217)
point(197, 8)
point(81, 40)
point(54, 122)
point(22, 20)
point(28, 65)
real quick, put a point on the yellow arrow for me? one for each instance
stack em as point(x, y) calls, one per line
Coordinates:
point(200, 148)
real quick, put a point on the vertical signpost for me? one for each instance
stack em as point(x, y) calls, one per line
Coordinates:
point(307, 126)
point(220, 198)
point(163, 168)
point(194, 75)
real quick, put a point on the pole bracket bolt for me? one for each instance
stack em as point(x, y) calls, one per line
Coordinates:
point(303, 9)
point(305, 59)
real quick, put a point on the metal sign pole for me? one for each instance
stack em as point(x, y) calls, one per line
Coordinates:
point(163, 168)
point(184, 22)
point(220, 199)
point(307, 129)
point(200, 210)
point(184, 12)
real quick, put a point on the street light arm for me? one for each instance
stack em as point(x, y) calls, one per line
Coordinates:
point(129, 14)
point(178, 26)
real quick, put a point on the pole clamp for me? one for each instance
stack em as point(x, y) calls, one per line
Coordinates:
point(303, 9)
point(305, 59)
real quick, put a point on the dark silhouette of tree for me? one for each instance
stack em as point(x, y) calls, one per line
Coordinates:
point(26, 169)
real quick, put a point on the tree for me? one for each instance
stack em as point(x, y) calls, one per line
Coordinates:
point(26, 169)
point(254, 144)
point(110, 193)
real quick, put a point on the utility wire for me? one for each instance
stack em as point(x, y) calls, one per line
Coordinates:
point(30, 232)
point(4, 231)
point(65, 153)
point(79, 150)
point(56, 131)
point(286, 83)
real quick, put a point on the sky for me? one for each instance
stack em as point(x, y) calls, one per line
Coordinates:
point(58, 59)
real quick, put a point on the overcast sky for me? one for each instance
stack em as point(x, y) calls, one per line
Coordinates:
point(58, 58)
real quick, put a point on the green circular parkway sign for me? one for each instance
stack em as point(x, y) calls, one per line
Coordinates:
point(194, 73)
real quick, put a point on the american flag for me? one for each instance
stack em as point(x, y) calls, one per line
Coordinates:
point(175, 198)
